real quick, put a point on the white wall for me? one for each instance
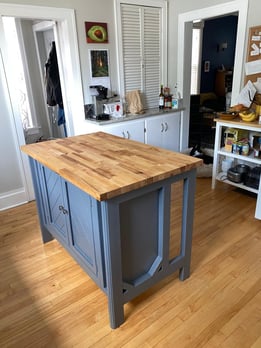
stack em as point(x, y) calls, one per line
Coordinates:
point(103, 11)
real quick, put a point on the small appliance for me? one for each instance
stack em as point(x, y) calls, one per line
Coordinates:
point(114, 109)
point(99, 98)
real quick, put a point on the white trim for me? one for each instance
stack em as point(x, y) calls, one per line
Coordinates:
point(12, 199)
point(258, 203)
point(150, 3)
point(42, 26)
point(184, 52)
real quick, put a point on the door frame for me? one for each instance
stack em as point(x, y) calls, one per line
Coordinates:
point(70, 76)
point(185, 26)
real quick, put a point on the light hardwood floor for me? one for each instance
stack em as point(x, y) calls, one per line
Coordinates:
point(48, 301)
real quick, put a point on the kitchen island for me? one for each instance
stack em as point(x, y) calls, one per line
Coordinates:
point(107, 201)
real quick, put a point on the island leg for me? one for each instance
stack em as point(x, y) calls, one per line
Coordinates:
point(112, 251)
point(187, 223)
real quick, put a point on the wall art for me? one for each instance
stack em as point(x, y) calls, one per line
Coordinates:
point(99, 63)
point(96, 32)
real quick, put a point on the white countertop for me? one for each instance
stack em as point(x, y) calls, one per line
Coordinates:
point(129, 117)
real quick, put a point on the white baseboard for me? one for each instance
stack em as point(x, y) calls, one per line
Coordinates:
point(12, 199)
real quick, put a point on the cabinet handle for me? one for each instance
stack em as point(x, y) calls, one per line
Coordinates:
point(166, 126)
point(128, 135)
point(123, 135)
point(61, 208)
point(162, 127)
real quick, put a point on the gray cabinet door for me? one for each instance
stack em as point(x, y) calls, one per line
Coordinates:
point(85, 229)
point(57, 214)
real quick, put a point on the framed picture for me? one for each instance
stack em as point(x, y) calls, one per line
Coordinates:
point(96, 32)
point(206, 66)
point(99, 62)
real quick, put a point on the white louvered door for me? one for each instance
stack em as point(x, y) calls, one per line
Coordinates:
point(142, 51)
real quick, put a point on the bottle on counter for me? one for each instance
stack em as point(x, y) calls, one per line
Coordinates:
point(175, 98)
point(161, 98)
point(167, 98)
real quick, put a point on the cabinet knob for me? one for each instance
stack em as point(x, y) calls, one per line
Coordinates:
point(64, 211)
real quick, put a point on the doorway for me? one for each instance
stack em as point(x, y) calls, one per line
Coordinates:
point(72, 91)
point(29, 45)
point(185, 26)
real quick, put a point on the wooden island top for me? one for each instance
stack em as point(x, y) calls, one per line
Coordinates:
point(106, 166)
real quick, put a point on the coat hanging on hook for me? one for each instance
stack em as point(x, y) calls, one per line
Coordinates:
point(53, 85)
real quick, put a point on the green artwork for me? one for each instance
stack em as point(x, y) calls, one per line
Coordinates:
point(99, 63)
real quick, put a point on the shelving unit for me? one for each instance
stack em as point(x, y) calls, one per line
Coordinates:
point(220, 153)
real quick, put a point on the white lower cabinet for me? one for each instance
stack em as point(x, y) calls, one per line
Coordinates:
point(159, 130)
point(163, 131)
point(133, 130)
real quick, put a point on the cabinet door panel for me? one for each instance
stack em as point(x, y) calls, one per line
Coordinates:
point(154, 129)
point(133, 130)
point(57, 217)
point(170, 140)
point(83, 240)
point(164, 131)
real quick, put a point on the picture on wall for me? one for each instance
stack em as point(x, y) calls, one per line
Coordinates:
point(99, 63)
point(96, 32)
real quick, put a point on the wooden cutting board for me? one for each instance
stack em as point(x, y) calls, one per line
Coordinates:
point(105, 166)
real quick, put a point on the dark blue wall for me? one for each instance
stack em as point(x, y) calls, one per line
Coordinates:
point(216, 31)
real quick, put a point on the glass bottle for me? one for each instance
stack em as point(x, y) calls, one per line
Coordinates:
point(161, 98)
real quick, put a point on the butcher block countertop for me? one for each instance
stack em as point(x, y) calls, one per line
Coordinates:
point(106, 166)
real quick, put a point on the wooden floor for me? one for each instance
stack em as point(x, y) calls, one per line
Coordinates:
point(48, 301)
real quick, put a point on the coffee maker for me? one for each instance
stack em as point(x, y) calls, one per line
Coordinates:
point(99, 99)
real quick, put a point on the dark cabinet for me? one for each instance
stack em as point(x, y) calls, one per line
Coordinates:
point(223, 82)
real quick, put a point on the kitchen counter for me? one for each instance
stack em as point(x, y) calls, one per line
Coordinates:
point(129, 117)
point(107, 200)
